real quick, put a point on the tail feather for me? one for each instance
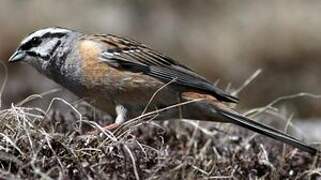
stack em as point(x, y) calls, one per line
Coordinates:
point(240, 120)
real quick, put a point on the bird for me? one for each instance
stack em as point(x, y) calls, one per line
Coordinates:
point(120, 76)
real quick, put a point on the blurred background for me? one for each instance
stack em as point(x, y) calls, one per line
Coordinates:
point(225, 40)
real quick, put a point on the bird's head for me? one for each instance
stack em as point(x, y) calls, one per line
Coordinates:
point(39, 47)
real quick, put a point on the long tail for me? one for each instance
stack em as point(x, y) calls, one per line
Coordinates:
point(255, 126)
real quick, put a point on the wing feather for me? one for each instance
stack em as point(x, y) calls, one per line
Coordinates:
point(134, 56)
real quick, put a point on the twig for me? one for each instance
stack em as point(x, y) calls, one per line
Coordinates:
point(192, 140)
point(47, 137)
point(145, 116)
point(202, 129)
point(37, 96)
point(279, 99)
point(68, 104)
point(7, 139)
point(133, 161)
point(247, 82)
point(285, 131)
point(156, 93)
point(4, 81)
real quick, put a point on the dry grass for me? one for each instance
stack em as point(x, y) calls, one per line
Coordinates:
point(48, 144)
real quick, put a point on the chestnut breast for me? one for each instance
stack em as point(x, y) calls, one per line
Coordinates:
point(118, 86)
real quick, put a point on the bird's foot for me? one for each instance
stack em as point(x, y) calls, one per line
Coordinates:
point(120, 119)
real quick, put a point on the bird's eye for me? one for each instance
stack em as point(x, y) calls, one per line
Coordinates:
point(35, 41)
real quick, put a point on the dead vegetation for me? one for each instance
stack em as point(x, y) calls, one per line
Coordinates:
point(48, 144)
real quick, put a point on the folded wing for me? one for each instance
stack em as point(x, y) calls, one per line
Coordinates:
point(133, 56)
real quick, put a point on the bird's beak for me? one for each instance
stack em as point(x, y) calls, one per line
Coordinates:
point(17, 56)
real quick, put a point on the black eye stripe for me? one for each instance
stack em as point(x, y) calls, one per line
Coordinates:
point(46, 56)
point(35, 41)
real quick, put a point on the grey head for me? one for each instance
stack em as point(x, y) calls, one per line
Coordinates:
point(42, 47)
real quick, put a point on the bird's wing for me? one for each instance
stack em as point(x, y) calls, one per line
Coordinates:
point(134, 56)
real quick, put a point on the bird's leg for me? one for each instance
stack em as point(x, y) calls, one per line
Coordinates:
point(121, 112)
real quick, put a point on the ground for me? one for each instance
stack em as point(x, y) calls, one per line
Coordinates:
point(50, 144)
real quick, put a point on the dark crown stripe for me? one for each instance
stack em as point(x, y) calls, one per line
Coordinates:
point(51, 35)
